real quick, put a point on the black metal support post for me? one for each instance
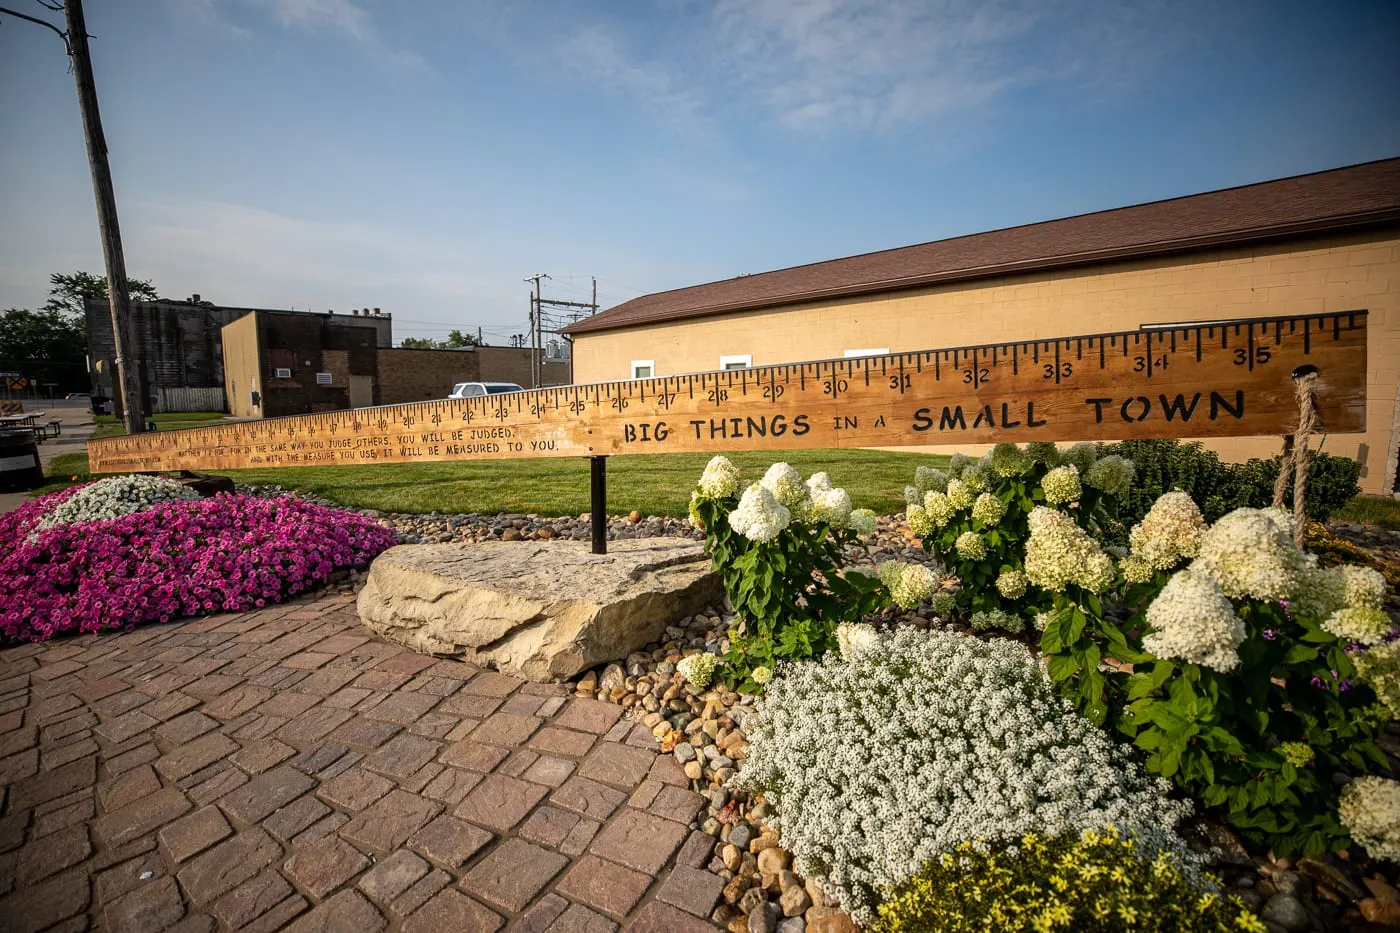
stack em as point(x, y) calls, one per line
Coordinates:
point(599, 512)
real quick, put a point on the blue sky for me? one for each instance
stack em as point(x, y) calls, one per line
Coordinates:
point(425, 157)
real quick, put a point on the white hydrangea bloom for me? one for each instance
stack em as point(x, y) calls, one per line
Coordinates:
point(970, 546)
point(943, 604)
point(919, 521)
point(761, 675)
point(854, 637)
point(1011, 584)
point(1061, 485)
point(960, 495)
point(1191, 620)
point(1059, 553)
point(977, 477)
point(720, 479)
point(1170, 531)
point(957, 463)
point(912, 495)
point(785, 483)
point(115, 497)
point(1008, 460)
point(1362, 587)
point(988, 509)
point(1319, 592)
point(1043, 452)
point(987, 619)
point(1135, 569)
point(926, 740)
point(930, 479)
point(830, 504)
point(759, 516)
point(1367, 626)
point(862, 521)
point(940, 508)
point(1250, 552)
point(1112, 474)
point(698, 669)
point(1082, 455)
point(909, 584)
point(1370, 809)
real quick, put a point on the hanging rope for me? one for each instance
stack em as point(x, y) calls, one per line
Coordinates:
point(1296, 454)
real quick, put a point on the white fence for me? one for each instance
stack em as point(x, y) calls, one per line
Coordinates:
point(189, 399)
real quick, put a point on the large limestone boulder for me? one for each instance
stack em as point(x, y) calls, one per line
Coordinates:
point(539, 611)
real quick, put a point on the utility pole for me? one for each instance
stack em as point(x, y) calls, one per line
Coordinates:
point(75, 40)
point(535, 330)
point(133, 405)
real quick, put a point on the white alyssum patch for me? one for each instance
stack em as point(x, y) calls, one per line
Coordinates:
point(114, 497)
point(1370, 809)
point(925, 740)
point(759, 516)
point(1193, 621)
point(1250, 553)
point(1170, 532)
point(720, 480)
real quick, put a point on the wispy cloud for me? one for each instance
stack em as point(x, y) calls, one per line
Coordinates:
point(343, 18)
point(863, 64)
point(598, 55)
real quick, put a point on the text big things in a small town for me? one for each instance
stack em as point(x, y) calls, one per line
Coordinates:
point(1206, 379)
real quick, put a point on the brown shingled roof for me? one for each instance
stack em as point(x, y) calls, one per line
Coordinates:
point(1339, 199)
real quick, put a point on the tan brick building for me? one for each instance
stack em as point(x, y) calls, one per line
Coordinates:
point(1311, 244)
point(278, 365)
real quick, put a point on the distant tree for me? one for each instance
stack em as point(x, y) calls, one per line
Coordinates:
point(69, 294)
point(455, 340)
point(47, 346)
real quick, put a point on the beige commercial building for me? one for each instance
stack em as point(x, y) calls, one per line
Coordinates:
point(1311, 244)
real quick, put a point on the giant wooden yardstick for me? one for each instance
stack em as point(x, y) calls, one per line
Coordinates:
point(1212, 379)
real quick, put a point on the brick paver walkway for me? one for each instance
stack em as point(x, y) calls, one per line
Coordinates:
point(283, 769)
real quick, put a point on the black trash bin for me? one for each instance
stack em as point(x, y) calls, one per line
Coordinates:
point(19, 461)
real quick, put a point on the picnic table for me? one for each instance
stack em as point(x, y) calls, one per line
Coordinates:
point(26, 419)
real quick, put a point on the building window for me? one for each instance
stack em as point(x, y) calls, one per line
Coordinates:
point(742, 361)
point(643, 369)
point(282, 372)
point(323, 379)
point(880, 351)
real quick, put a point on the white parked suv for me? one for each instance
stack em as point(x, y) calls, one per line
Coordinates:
point(478, 389)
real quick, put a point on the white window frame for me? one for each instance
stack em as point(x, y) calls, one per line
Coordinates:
point(736, 361)
point(281, 372)
point(877, 351)
point(649, 365)
point(325, 379)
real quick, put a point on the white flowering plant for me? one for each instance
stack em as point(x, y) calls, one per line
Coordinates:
point(1233, 651)
point(116, 496)
point(975, 516)
point(778, 545)
point(883, 758)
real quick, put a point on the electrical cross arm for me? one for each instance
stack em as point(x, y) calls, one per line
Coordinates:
point(1212, 379)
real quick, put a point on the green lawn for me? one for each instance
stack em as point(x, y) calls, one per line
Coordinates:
point(1372, 510)
point(109, 426)
point(653, 485)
